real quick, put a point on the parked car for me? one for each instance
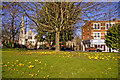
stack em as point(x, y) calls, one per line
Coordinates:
point(91, 49)
point(99, 50)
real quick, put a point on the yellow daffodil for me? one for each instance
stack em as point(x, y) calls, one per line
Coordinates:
point(36, 60)
point(31, 66)
point(17, 61)
point(51, 66)
point(102, 58)
point(29, 62)
point(109, 68)
point(5, 65)
point(96, 58)
point(45, 64)
point(12, 65)
point(40, 62)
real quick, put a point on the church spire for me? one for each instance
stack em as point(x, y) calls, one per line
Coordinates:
point(22, 21)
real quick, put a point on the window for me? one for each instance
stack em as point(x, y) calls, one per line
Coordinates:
point(29, 37)
point(83, 30)
point(113, 24)
point(88, 28)
point(107, 26)
point(96, 26)
point(97, 35)
point(110, 25)
point(88, 36)
point(83, 37)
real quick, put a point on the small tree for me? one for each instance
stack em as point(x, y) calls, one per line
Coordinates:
point(113, 37)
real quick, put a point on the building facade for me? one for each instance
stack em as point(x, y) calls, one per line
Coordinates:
point(27, 38)
point(93, 35)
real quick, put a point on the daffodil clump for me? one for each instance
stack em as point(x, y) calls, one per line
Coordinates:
point(31, 66)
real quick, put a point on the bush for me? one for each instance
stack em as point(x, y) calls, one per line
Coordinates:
point(43, 46)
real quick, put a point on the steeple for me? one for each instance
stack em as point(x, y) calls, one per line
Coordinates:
point(22, 24)
point(22, 32)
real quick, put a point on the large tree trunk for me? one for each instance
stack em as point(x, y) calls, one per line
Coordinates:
point(57, 41)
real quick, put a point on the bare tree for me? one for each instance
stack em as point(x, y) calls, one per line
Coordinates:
point(11, 21)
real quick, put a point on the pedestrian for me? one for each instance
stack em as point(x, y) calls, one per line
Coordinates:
point(64, 47)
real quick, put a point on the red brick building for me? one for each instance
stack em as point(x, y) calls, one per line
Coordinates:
point(93, 35)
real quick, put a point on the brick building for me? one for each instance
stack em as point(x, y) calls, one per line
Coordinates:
point(93, 35)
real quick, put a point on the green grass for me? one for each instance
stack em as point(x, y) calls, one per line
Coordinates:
point(59, 65)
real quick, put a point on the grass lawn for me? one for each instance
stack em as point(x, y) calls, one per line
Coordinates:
point(50, 64)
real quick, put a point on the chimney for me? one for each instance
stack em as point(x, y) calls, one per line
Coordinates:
point(114, 19)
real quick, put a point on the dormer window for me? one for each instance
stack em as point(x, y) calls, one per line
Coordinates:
point(29, 37)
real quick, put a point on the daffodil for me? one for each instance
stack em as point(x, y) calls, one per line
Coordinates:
point(17, 61)
point(5, 65)
point(31, 66)
point(109, 68)
point(29, 62)
point(12, 65)
point(102, 58)
point(45, 64)
point(38, 71)
point(96, 58)
point(20, 64)
point(36, 60)
point(51, 66)
point(40, 62)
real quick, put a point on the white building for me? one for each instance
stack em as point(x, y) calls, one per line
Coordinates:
point(27, 39)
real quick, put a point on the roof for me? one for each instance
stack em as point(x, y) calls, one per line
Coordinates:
point(87, 23)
